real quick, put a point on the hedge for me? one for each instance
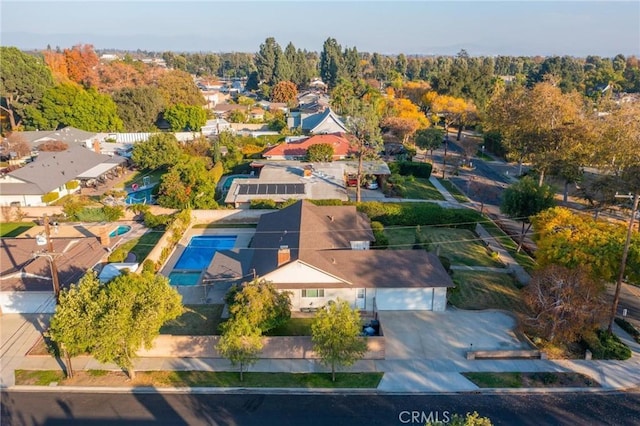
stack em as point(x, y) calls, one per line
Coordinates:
point(629, 328)
point(605, 345)
point(421, 170)
point(424, 214)
point(50, 196)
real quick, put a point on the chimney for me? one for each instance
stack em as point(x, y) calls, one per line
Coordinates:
point(284, 255)
point(105, 240)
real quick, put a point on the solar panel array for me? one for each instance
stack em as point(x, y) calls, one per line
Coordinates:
point(271, 189)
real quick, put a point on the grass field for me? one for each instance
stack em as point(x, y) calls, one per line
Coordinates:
point(13, 229)
point(421, 189)
point(200, 379)
point(197, 320)
point(142, 246)
point(461, 246)
point(137, 177)
point(293, 327)
point(526, 261)
point(486, 290)
point(454, 191)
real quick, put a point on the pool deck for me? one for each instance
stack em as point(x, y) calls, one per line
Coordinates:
point(194, 294)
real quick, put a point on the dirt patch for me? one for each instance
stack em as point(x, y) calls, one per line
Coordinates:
point(557, 380)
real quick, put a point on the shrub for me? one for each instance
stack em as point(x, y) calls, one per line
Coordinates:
point(421, 170)
point(113, 213)
point(118, 255)
point(629, 328)
point(605, 345)
point(72, 184)
point(381, 240)
point(50, 196)
point(149, 266)
point(446, 263)
point(263, 204)
point(156, 221)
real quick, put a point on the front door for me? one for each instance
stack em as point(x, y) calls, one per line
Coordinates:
point(360, 298)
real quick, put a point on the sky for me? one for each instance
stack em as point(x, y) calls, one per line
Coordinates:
point(528, 28)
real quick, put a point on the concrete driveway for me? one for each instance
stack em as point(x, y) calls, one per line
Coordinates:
point(446, 335)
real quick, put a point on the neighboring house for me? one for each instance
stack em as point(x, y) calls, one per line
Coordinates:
point(321, 254)
point(319, 123)
point(69, 135)
point(256, 114)
point(297, 150)
point(223, 110)
point(56, 172)
point(215, 127)
point(318, 84)
point(25, 279)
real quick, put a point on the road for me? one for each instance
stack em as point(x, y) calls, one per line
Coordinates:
point(63, 408)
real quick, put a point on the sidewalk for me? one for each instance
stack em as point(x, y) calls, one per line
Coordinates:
point(424, 375)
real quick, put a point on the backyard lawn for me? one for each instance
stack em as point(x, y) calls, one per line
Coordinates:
point(142, 246)
point(485, 290)
point(421, 189)
point(137, 177)
point(461, 246)
point(197, 320)
point(13, 229)
point(293, 327)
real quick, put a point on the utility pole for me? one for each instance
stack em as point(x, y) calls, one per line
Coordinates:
point(50, 254)
point(625, 253)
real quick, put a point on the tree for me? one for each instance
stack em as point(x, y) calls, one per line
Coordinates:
point(573, 240)
point(363, 125)
point(565, 303)
point(240, 343)
point(525, 199)
point(265, 60)
point(188, 184)
point(471, 419)
point(322, 152)
point(160, 150)
point(261, 304)
point(53, 146)
point(138, 107)
point(429, 139)
point(17, 143)
point(137, 305)
point(177, 87)
point(70, 105)
point(81, 64)
point(74, 324)
point(23, 81)
point(185, 117)
point(331, 62)
point(284, 91)
point(335, 333)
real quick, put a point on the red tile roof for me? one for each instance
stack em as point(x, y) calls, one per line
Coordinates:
point(341, 146)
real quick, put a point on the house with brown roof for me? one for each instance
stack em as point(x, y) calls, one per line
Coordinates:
point(322, 253)
point(323, 122)
point(297, 149)
point(26, 284)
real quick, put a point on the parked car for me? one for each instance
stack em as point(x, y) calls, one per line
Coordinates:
point(352, 180)
point(372, 185)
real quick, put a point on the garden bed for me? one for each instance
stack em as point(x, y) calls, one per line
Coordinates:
point(531, 380)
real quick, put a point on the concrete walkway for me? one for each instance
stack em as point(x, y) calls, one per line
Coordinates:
point(403, 375)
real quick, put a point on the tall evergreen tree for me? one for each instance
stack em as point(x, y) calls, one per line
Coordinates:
point(331, 62)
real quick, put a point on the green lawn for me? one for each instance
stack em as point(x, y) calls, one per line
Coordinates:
point(293, 327)
point(13, 229)
point(202, 379)
point(453, 190)
point(137, 177)
point(485, 290)
point(142, 246)
point(421, 189)
point(526, 261)
point(197, 320)
point(461, 246)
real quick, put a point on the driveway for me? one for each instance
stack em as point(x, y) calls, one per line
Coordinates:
point(446, 335)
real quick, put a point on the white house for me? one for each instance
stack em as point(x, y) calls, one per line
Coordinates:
point(322, 253)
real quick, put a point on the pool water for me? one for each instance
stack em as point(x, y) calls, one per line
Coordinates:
point(227, 183)
point(184, 278)
point(197, 256)
point(122, 229)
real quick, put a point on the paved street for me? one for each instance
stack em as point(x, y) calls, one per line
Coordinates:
point(55, 408)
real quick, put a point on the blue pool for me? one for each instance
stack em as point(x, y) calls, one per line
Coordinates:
point(198, 254)
point(122, 229)
point(229, 181)
point(141, 196)
point(184, 278)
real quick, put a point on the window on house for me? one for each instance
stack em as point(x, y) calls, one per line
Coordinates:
point(313, 293)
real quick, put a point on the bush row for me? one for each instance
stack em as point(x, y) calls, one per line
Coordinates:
point(406, 168)
point(424, 214)
point(605, 345)
point(629, 328)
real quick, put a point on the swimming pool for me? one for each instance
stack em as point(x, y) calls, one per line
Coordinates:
point(141, 196)
point(229, 181)
point(197, 256)
point(184, 278)
point(122, 229)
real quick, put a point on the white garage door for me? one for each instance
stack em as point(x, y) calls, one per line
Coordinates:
point(404, 299)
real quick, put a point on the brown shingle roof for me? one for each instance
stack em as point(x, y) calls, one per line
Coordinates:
point(320, 237)
point(16, 255)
